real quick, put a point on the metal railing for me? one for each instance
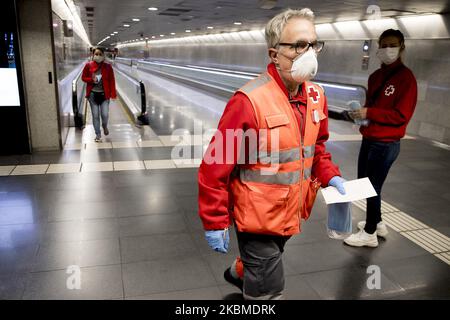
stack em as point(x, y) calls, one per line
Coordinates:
point(340, 95)
point(133, 94)
point(226, 82)
point(79, 105)
point(223, 82)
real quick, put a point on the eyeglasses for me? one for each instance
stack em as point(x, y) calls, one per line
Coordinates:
point(302, 46)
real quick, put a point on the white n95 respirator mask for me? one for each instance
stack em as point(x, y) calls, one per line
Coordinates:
point(305, 66)
point(388, 55)
point(99, 59)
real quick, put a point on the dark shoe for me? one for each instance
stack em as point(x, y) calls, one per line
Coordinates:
point(232, 280)
point(105, 131)
point(98, 139)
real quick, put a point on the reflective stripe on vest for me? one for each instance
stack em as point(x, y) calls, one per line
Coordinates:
point(285, 178)
point(309, 151)
point(256, 83)
point(284, 156)
point(307, 173)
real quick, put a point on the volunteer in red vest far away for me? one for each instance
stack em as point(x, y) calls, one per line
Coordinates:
point(391, 100)
point(100, 88)
point(265, 187)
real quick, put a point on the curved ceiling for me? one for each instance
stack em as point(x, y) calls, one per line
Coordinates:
point(101, 18)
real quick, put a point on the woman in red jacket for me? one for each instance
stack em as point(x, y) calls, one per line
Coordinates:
point(101, 87)
point(391, 100)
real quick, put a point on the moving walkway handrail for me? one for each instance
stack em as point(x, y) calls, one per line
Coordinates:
point(211, 81)
point(79, 118)
point(341, 84)
point(142, 116)
point(225, 81)
point(233, 72)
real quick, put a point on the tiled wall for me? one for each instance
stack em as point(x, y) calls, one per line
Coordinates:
point(430, 62)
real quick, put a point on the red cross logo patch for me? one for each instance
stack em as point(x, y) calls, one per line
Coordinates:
point(389, 90)
point(313, 94)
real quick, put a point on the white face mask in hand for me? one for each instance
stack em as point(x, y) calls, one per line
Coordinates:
point(305, 66)
point(388, 55)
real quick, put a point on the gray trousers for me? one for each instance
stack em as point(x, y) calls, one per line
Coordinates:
point(263, 267)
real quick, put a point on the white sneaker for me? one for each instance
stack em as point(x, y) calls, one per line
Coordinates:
point(382, 230)
point(362, 239)
point(333, 234)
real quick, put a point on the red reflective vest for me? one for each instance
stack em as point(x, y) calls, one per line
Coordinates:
point(273, 194)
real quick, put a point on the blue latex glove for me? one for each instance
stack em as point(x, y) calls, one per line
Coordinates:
point(218, 240)
point(338, 183)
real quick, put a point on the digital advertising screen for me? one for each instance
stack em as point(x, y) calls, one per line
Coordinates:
point(9, 89)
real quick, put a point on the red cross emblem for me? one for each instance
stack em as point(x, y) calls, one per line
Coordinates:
point(313, 94)
point(389, 90)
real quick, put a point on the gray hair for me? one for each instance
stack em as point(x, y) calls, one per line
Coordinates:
point(275, 26)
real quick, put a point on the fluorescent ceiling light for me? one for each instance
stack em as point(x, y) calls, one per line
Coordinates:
point(126, 25)
point(115, 32)
point(136, 19)
point(172, 33)
point(326, 29)
point(209, 27)
point(238, 23)
point(152, 9)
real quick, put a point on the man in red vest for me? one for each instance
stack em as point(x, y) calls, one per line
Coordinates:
point(266, 187)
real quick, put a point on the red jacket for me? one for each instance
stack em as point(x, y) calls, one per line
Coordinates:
point(109, 82)
point(213, 179)
point(394, 106)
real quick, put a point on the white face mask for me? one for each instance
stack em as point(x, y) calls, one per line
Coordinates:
point(388, 55)
point(305, 66)
point(99, 59)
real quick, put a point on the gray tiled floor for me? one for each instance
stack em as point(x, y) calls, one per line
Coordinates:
point(418, 273)
point(144, 248)
point(350, 283)
point(12, 286)
point(103, 282)
point(137, 235)
point(176, 274)
point(57, 256)
point(140, 242)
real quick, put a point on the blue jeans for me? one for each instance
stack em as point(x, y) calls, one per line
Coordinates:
point(98, 110)
point(374, 161)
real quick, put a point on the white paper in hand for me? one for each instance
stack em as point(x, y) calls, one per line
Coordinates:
point(354, 190)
